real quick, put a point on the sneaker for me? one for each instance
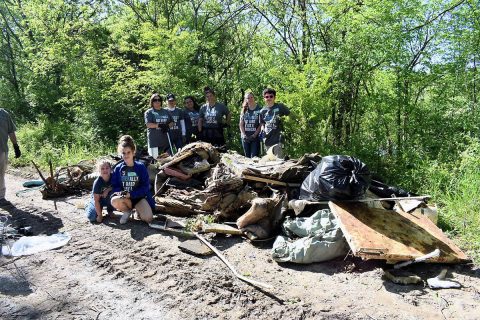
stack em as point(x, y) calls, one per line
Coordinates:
point(125, 217)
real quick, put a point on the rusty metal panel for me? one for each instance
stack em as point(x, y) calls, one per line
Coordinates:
point(393, 236)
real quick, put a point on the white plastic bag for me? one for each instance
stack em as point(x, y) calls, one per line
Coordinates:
point(30, 245)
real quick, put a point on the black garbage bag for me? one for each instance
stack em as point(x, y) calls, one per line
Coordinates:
point(385, 191)
point(336, 178)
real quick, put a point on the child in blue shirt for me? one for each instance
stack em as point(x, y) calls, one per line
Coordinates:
point(102, 189)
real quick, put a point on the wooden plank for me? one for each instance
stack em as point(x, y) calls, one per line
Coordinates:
point(178, 159)
point(270, 181)
point(385, 234)
point(220, 228)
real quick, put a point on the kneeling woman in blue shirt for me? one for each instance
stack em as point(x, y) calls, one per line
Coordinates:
point(131, 184)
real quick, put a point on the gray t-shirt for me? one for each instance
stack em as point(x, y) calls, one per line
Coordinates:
point(251, 118)
point(177, 115)
point(212, 115)
point(271, 118)
point(6, 127)
point(156, 138)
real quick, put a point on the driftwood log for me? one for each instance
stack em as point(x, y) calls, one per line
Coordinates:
point(263, 217)
point(67, 180)
point(284, 171)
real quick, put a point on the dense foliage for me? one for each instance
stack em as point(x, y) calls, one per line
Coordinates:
point(392, 82)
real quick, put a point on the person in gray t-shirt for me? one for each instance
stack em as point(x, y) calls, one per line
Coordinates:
point(191, 118)
point(270, 119)
point(214, 116)
point(158, 122)
point(177, 131)
point(7, 130)
point(250, 126)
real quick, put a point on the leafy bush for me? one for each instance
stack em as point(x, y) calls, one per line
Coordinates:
point(60, 142)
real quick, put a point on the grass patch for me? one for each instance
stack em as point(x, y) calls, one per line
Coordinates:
point(456, 189)
point(61, 143)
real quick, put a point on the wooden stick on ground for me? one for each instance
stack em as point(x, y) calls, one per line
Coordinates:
point(40, 173)
point(224, 260)
point(51, 174)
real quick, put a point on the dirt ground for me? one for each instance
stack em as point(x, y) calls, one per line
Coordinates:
point(113, 271)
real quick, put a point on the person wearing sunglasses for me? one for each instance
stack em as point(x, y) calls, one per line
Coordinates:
point(214, 116)
point(271, 122)
point(158, 122)
point(250, 126)
point(191, 118)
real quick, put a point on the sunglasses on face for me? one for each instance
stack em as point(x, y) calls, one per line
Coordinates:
point(157, 100)
point(268, 96)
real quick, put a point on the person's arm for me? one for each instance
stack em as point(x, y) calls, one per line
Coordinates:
point(241, 126)
point(13, 138)
point(16, 147)
point(171, 122)
point(98, 207)
point(284, 110)
point(150, 121)
point(183, 127)
point(257, 132)
point(201, 115)
point(144, 182)
point(106, 192)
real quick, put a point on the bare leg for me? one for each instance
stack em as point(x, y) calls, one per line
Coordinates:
point(121, 204)
point(144, 211)
point(124, 205)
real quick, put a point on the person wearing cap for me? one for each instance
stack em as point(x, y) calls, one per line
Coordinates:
point(271, 122)
point(177, 131)
point(214, 116)
point(158, 121)
point(7, 130)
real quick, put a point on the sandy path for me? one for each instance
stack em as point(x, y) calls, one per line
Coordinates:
point(111, 271)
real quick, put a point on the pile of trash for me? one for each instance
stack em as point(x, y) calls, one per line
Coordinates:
point(317, 208)
point(66, 180)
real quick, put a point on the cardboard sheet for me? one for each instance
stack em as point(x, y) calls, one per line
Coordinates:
point(386, 234)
